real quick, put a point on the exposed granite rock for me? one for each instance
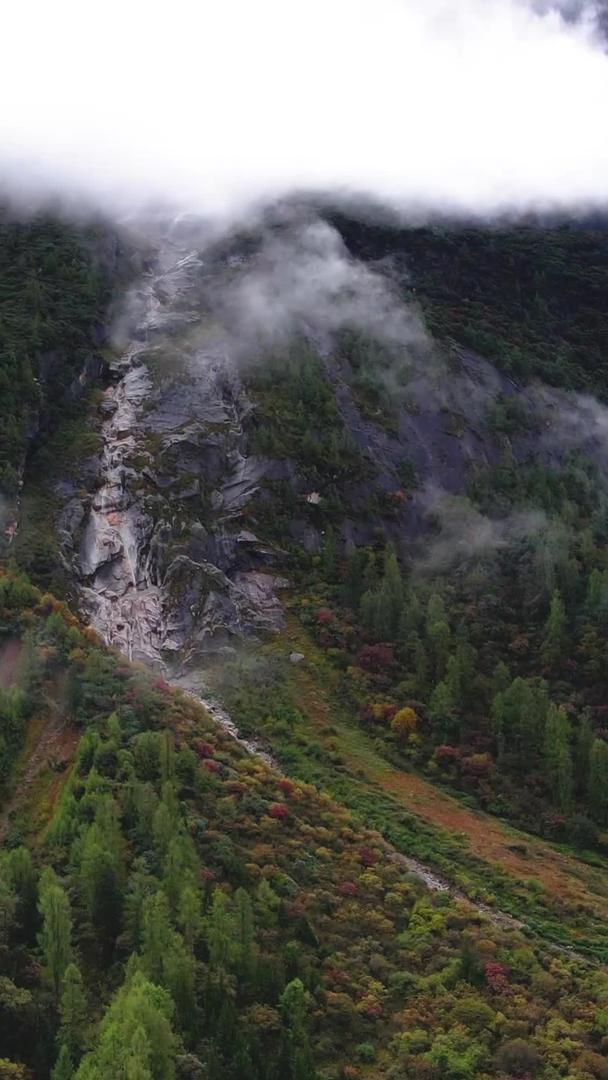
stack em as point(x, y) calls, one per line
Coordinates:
point(167, 571)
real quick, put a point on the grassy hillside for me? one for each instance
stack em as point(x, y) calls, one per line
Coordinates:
point(182, 910)
point(560, 895)
point(485, 666)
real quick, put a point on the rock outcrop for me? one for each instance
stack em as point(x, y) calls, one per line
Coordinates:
point(164, 545)
point(166, 570)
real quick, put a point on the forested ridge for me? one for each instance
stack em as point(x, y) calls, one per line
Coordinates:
point(171, 906)
point(182, 910)
point(54, 291)
point(486, 666)
point(530, 297)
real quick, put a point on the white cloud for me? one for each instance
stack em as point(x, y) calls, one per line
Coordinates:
point(471, 104)
point(303, 282)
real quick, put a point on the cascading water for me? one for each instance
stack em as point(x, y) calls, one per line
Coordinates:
point(122, 593)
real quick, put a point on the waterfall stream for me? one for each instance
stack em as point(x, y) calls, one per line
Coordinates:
point(121, 593)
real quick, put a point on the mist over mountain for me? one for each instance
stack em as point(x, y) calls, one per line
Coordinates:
point(304, 540)
point(474, 106)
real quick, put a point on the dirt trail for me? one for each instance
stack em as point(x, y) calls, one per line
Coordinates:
point(519, 854)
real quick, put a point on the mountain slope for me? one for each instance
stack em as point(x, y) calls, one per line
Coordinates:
point(387, 559)
point(288, 934)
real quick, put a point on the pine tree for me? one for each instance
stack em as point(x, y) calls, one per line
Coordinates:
point(596, 599)
point(179, 866)
point(23, 877)
point(190, 915)
point(368, 609)
point(101, 869)
point(114, 728)
point(439, 637)
point(460, 675)
point(410, 619)
point(164, 826)
point(383, 614)
point(554, 640)
point(594, 593)
point(421, 666)
point(371, 576)
point(329, 555)
point(532, 718)
point(443, 710)
point(102, 889)
point(64, 1070)
point(582, 753)
point(435, 611)
point(167, 757)
point(392, 587)
point(500, 678)
point(242, 1064)
point(220, 932)
point(145, 804)
point(156, 935)
point(178, 979)
point(598, 781)
point(136, 1065)
point(136, 1041)
point(55, 938)
point(558, 759)
point(354, 579)
point(267, 903)
point(296, 1058)
point(8, 910)
point(243, 914)
point(454, 680)
point(519, 715)
point(141, 885)
point(73, 1012)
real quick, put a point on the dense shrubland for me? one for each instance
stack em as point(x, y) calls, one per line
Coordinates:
point(188, 912)
point(171, 907)
point(489, 672)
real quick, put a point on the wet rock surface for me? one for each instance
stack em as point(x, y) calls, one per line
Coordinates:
point(167, 572)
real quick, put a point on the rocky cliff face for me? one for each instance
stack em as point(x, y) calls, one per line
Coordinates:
point(170, 556)
point(165, 567)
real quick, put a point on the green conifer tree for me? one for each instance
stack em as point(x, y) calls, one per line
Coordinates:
point(558, 758)
point(73, 1013)
point(55, 938)
point(554, 640)
point(64, 1069)
point(598, 781)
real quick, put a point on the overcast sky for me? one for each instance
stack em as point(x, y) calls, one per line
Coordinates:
point(465, 104)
